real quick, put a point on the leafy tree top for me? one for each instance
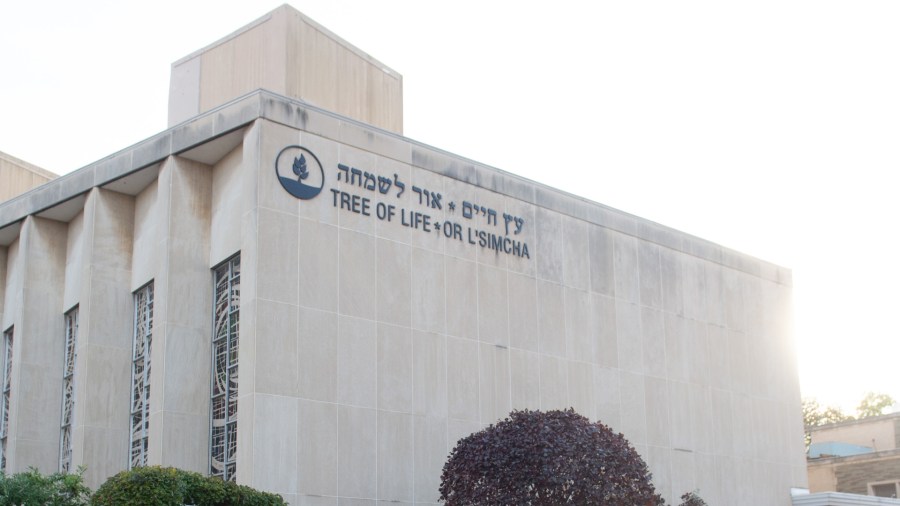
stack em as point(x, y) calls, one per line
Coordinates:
point(544, 458)
point(873, 405)
point(815, 415)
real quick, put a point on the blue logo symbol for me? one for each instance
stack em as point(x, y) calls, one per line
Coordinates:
point(299, 172)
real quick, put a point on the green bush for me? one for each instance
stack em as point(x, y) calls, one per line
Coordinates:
point(31, 488)
point(692, 499)
point(168, 486)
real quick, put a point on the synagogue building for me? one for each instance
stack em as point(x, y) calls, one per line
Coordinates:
point(282, 290)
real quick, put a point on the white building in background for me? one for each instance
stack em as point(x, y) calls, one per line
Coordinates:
point(856, 456)
point(282, 290)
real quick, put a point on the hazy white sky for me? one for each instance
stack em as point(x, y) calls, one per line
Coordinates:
point(771, 127)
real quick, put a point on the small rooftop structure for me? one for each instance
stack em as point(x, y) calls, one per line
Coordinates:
point(18, 176)
point(836, 449)
point(291, 55)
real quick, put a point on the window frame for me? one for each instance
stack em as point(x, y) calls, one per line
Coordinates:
point(222, 458)
point(6, 392)
point(146, 327)
point(70, 361)
point(871, 487)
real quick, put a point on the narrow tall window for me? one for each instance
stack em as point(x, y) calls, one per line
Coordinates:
point(68, 394)
point(140, 375)
point(224, 388)
point(7, 386)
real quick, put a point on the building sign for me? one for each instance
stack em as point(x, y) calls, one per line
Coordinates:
point(372, 195)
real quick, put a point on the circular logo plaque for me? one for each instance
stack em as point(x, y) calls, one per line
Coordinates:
point(299, 172)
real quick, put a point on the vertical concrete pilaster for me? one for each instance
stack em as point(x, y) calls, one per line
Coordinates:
point(246, 417)
point(103, 348)
point(180, 356)
point(12, 285)
point(4, 255)
point(34, 412)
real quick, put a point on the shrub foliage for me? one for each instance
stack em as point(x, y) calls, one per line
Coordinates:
point(31, 488)
point(692, 499)
point(544, 458)
point(168, 486)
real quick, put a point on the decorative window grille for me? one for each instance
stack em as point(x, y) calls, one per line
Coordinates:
point(4, 404)
point(224, 388)
point(140, 375)
point(885, 489)
point(68, 394)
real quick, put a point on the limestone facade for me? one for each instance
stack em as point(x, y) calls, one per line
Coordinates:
point(419, 297)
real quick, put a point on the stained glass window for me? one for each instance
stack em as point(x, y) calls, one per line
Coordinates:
point(7, 386)
point(224, 385)
point(68, 393)
point(140, 375)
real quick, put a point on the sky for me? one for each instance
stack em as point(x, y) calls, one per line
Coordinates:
point(769, 127)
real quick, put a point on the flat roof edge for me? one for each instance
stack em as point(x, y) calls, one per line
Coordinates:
point(841, 499)
point(263, 104)
point(172, 141)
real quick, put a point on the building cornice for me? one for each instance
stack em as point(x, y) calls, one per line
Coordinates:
point(193, 139)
